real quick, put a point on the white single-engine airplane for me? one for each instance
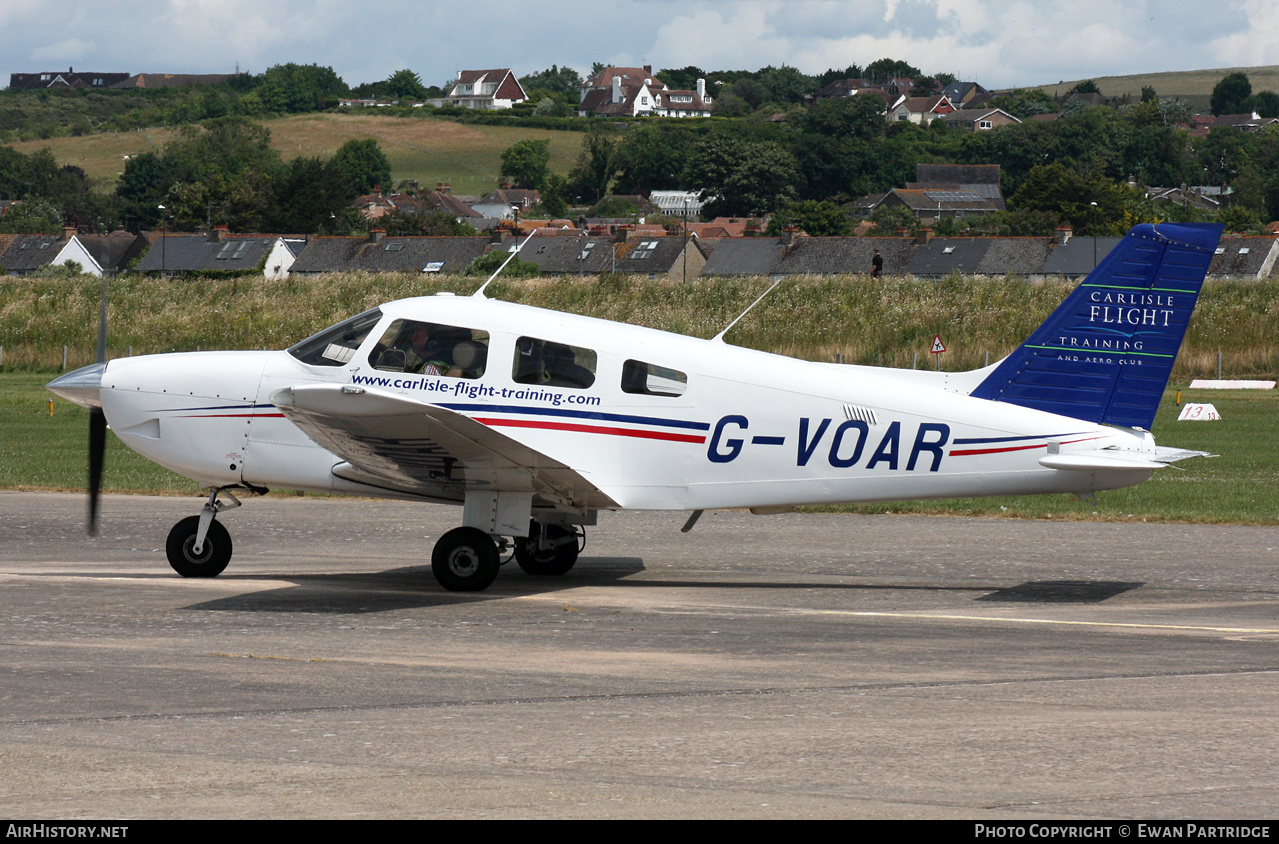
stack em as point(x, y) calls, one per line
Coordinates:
point(535, 420)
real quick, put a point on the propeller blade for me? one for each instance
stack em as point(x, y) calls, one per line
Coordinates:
point(97, 450)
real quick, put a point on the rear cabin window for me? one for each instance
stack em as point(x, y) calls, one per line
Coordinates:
point(649, 379)
point(550, 364)
point(428, 348)
point(337, 344)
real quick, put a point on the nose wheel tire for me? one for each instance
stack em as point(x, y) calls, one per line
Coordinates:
point(213, 557)
point(535, 559)
point(465, 560)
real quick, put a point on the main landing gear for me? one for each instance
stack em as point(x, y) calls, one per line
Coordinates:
point(466, 559)
point(198, 546)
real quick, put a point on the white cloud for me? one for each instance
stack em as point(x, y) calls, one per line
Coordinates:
point(998, 43)
point(70, 50)
point(1255, 45)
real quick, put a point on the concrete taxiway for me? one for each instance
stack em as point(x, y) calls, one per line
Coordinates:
point(760, 666)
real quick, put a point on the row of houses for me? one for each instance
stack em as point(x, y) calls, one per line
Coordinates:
point(643, 251)
point(70, 78)
point(480, 212)
point(636, 91)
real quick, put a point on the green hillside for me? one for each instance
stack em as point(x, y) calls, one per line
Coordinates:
point(427, 149)
point(1192, 85)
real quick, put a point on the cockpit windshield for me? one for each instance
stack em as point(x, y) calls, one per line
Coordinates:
point(336, 345)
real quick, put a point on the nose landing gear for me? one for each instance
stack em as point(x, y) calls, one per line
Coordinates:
point(198, 546)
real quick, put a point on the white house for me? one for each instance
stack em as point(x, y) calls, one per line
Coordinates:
point(280, 259)
point(490, 89)
point(635, 91)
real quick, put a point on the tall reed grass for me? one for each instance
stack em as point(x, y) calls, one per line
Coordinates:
point(886, 322)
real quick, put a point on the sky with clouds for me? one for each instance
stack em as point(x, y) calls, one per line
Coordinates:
point(999, 43)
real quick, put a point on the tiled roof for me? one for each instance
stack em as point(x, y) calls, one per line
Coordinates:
point(744, 256)
point(29, 252)
point(932, 199)
point(508, 87)
point(646, 254)
point(172, 80)
point(730, 226)
point(512, 196)
point(112, 251)
point(1016, 255)
point(630, 76)
point(844, 255)
point(178, 253)
point(841, 88)
point(671, 101)
point(556, 255)
point(927, 105)
point(1241, 255)
point(1079, 255)
point(390, 254)
point(447, 202)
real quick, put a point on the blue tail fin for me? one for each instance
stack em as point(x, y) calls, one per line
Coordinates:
point(1106, 353)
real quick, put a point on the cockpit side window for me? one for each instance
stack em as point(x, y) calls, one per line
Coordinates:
point(336, 345)
point(551, 364)
point(649, 379)
point(428, 348)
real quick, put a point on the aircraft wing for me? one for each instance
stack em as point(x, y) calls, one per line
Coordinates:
point(421, 447)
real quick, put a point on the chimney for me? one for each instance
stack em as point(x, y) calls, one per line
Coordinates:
point(375, 235)
point(1062, 236)
point(444, 187)
point(923, 236)
point(701, 90)
point(648, 68)
point(68, 232)
point(218, 234)
point(617, 90)
point(497, 235)
point(788, 235)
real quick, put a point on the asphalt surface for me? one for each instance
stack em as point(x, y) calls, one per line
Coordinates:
point(760, 666)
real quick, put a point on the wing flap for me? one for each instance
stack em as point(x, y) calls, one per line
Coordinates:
point(425, 448)
point(1096, 461)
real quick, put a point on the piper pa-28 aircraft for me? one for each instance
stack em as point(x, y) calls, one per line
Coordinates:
point(534, 420)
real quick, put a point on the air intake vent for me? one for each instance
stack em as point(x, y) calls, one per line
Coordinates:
point(860, 414)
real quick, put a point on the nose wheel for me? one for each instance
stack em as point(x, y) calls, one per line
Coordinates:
point(199, 546)
point(212, 558)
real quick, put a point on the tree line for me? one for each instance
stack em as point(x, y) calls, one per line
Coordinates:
point(1088, 168)
point(803, 163)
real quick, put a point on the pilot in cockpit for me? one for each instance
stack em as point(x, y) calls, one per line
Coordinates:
point(427, 354)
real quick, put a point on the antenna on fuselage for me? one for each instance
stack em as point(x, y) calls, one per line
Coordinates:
point(720, 336)
point(479, 294)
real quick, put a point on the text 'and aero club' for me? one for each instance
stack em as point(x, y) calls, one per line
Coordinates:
point(535, 420)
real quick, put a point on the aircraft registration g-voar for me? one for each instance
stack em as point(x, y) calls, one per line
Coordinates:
point(535, 420)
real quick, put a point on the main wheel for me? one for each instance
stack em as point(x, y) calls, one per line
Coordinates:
point(212, 559)
point(557, 559)
point(465, 560)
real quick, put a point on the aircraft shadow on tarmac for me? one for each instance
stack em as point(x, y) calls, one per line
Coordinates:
point(1062, 592)
point(410, 587)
